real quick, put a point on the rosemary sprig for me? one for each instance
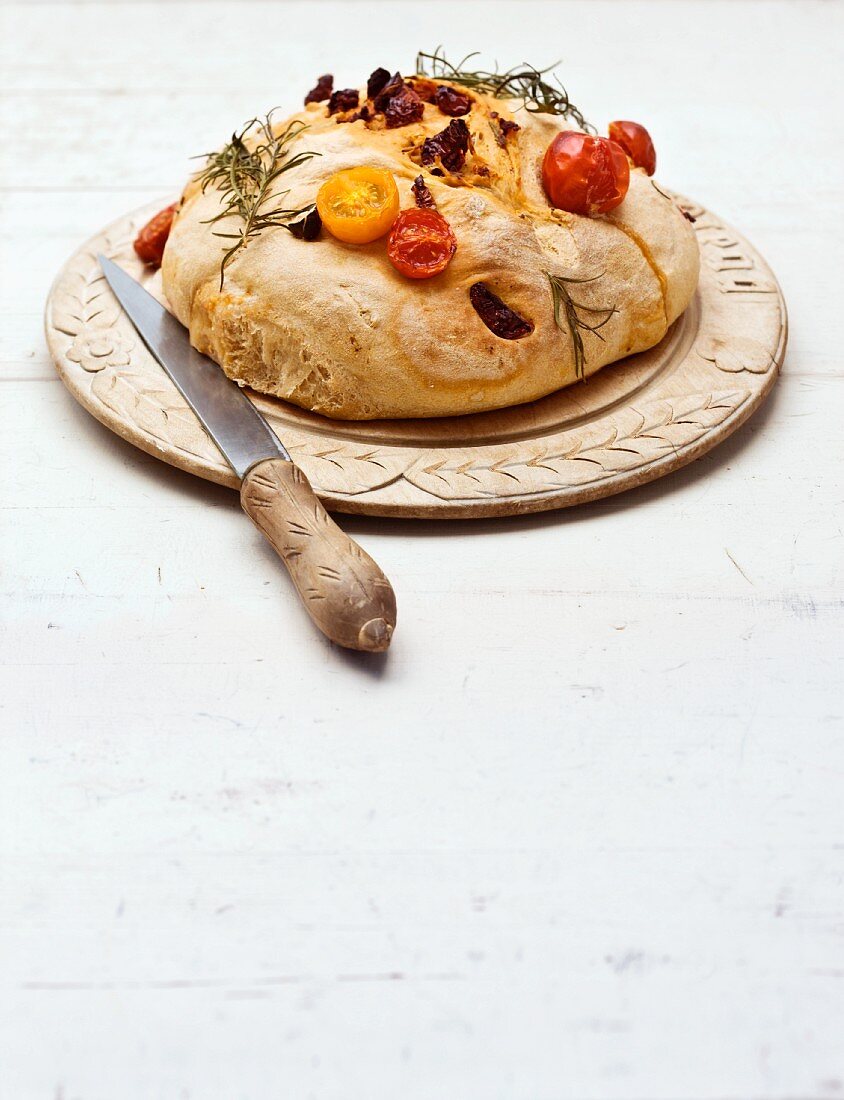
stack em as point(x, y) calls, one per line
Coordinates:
point(245, 170)
point(523, 82)
point(659, 189)
point(564, 303)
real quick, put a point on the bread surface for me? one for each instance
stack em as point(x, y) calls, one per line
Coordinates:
point(334, 328)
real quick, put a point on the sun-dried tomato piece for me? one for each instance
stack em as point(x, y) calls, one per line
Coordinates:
point(150, 242)
point(422, 194)
point(393, 86)
point(507, 127)
point(322, 89)
point(400, 104)
point(403, 108)
point(498, 318)
point(377, 81)
point(346, 99)
point(308, 227)
point(449, 146)
point(503, 128)
point(452, 102)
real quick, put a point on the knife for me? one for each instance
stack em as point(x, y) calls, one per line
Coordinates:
point(343, 590)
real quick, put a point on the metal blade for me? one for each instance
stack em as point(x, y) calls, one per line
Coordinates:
point(225, 411)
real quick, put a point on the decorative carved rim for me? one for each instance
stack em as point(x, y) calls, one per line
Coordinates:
point(631, 423)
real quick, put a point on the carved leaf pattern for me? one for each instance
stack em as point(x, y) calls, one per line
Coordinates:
point(640, 436)
point(84, 302)
point(346, 468)
point(159, 411)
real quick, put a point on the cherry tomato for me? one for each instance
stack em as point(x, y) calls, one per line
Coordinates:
point(150, 242)
point(421, 243)
point(358, 205)
point(636, 143)
point(584, 174)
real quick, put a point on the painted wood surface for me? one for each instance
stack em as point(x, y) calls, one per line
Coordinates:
point(580, 833)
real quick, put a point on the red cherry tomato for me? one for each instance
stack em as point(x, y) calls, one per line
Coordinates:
point(420, 243)
point(636, 143)
point(150, 242)
point(584, 174)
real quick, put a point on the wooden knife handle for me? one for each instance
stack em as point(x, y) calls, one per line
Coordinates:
point(344, 591)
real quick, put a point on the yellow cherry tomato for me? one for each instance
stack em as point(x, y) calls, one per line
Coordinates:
point(358, 205)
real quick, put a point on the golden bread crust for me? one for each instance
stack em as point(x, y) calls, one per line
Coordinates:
point(334, 328)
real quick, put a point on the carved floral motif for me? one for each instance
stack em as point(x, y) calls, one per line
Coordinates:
point(94, 349)
point(736, 354)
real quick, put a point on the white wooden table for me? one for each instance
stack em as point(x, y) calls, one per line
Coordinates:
point(580, 835)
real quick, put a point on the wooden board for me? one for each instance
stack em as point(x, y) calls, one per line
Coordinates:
point(632, 422)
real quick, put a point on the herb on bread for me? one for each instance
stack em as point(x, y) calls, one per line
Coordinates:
point(524, 82)
point(565, 304)
point(244, 171)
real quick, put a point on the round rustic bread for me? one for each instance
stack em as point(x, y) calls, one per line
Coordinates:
point(334, 328)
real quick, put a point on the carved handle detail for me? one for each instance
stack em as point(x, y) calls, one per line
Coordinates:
point(342, 588)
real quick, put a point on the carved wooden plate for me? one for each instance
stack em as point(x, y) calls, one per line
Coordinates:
point(634, 421)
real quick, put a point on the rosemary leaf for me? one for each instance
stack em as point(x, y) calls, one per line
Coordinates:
point(565, 304)
point(524, 82)
point(244, 171)
point(659, 189)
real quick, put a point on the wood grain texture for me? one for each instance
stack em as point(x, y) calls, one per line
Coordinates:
point(579, 835)
point(343, 590)
point(634, 421)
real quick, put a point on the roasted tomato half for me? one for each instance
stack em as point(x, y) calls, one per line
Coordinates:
point(358, 205)
point(150, 242)
point(636, 143)
point(584, 174)
point(421, 243)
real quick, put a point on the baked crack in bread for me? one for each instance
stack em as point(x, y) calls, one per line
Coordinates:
point(483, 252)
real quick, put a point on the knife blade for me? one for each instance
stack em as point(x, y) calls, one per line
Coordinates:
point(225, 411)
point(342, 588)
